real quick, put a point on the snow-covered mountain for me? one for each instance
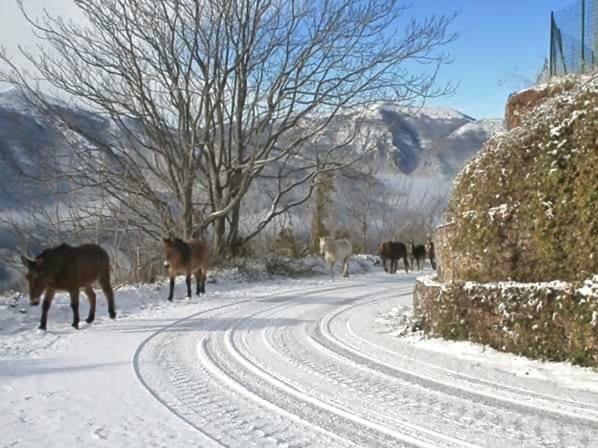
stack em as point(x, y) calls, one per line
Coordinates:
point(425, 142)
point(420, 143)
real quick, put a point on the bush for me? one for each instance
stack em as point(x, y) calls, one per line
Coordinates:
point(285, 244)
point(554, 321)
point(526, 208)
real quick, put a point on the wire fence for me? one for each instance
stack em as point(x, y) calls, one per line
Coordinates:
point(574, 39)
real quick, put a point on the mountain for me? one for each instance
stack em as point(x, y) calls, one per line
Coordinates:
point(425, 142)
point(417, 142)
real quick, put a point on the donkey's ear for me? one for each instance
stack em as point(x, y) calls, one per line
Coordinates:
point(27, 262)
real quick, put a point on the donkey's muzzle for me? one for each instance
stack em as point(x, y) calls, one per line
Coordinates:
point(166, 264)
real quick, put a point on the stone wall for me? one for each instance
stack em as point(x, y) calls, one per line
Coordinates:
point(445, 266)
point(450, 265)
point(522, 103)
point(554, 321)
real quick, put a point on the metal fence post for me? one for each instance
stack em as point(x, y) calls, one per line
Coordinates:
point(594, 21)
point(583, 36)
point(552, 62)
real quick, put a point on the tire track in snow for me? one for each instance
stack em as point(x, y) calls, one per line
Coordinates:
point(365, 432)
point(507, 393)
point(373, 395)
point(394, 427)
point(547, 425)
point(234, 382)
point(201, 404)
point(556, 410)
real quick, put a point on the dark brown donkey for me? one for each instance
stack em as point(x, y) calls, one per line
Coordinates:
point(431, 253)
point(66, 268)
point(393, 251)
point(417, 254)
point(186, 257)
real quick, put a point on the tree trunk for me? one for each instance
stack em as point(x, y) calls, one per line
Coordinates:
point(364, 234)
point(218, 241)
point(187, 206)
point(233, 233)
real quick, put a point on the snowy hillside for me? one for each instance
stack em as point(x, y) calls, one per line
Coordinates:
point(420, 142)
point(427, 141)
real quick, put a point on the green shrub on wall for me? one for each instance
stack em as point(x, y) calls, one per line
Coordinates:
point(526, 208)
point(554, 321)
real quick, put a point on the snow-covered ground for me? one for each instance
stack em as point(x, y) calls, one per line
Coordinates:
point(280, 363)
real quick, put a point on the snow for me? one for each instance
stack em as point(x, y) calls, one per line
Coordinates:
point(589, 288)
point(488, 127)
point(275, 362)
point(563, 374)
point(374, 110)
point(399, 320)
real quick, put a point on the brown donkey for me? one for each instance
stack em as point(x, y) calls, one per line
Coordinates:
point(393, 251)
point(66, 268)
point(191, 257)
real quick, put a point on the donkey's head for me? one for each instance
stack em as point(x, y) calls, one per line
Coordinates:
point(175, 251)
point(37, 276)
point(324, 241)
point(429, 244)
point(168, 250)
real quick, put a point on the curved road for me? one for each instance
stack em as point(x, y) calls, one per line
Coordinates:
point(307, 368)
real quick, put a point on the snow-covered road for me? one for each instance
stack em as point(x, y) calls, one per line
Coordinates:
point(302, 365)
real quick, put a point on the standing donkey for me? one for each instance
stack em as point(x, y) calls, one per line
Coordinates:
point(66, 268)
point(393, 251)
point(186, 257)
point(334, 250)
point(417, 253)
point(431, 253)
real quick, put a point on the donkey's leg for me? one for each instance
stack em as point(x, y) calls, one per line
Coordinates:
point(345, 273)
point(171, 291)
point(198, 276)
point(75, 306)
point(188, 282)
point(109, 293)
point(91, 297)
point(45, 307)
point(332, 271)
point(204, 276)
point(406, 265)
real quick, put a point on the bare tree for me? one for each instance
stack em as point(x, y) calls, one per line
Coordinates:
point(376, 210)
point(360, 202)
point(199, 100)
point(321, 209)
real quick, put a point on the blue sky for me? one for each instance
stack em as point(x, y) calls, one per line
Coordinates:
point(501, 43)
